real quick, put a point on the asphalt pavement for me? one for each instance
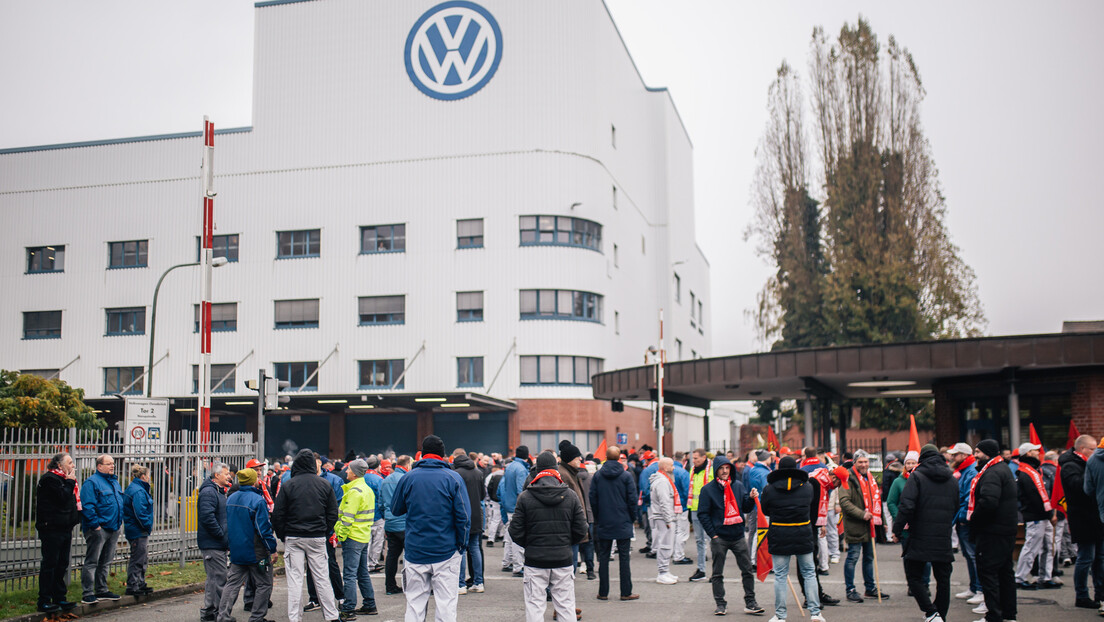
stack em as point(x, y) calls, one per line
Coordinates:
point(502, 601)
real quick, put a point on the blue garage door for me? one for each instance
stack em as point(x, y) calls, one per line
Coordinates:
point(228, 423)
point(488, 433)
point(383, 432)
point(284, 436)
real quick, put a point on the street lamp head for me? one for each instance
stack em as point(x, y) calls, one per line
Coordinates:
point(652, 350)
point(218, 262)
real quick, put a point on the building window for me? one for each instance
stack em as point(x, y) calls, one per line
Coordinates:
point(701, 315)
point(126, 321)
point(469, 306)
point(132, 254)
point(217, 372)
point(297, 313)
point(614, 197)
point(224, 317)
point(48, 374)
point(121, 380)
point(560, 304)
point(616, 323)
point(560, 231)
point(303, 243)
point(221, 246)
point(469, 233)
point(380, 374)
point(678, 288)
point(613, 136)
point(45, 259)
point(693, 307)
point(383, 239)
point(42, 325)
point(382, 310)
point(295, 374)
point(678, 349)
point(570, 370)
point(616, 264)
point(469, 371)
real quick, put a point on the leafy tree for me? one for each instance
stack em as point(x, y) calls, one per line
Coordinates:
point(28, 401)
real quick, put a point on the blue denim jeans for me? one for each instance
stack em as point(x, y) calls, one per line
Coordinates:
point(473, 549)
point(853, 550)
point(807, 569)
point(354, 558)
point(701, 539)
point(1090, 556)
point(966, 544)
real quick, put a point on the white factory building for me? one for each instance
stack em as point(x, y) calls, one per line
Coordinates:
point(436, 204)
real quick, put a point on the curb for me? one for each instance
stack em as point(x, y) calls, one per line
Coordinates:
point(83, 610)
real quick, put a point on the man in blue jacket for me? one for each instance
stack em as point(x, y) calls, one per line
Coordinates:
point(962, 463)
point(721, 509)
point(394, 526)
point(375, 481)
point(435, 502)
point(513, 482)
point(101, 517)
point(211, 537)
point(252, 548)
point(138, 522)
point(682, 519)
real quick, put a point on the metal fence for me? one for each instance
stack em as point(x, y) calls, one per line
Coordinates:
point(177, 467)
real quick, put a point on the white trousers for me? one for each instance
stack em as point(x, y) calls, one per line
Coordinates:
point(513, 555)
point(297, 553)
point(663, 544)
point(559, 581)
point(1037, 541)
point(494, 520)
point(682, 534)
point(443, 578)
point(833, 533)
point(375, 545)
point(822, 545)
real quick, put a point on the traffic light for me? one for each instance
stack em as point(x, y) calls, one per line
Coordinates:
point(273, 399)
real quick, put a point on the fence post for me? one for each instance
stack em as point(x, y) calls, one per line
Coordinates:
point(180, 512)
point(883, 452)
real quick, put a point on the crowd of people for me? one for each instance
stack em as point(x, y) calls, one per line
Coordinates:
point(560, 513)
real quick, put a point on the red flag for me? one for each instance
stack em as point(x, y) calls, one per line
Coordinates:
point(772, 440)
point(914, 437)
point(1058, 495)
point(600, 453)
point(1033, 435)
point(764, 563)
point(1073, 434)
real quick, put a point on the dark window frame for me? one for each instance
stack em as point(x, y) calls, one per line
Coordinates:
point(39, 253)
point(140, 252)
point(42, 332)
point(590, 300)
point(381, 318)
point(469, 241)
point(221, 244)
point(297, 375)
point(218, 325)
point(391, 374)
point(312, 245)
point(561, 231)
point(391, 238)
point(473, 367)
point(121, 382)
point(117, 321)
point(292, 324)
point(598, 364)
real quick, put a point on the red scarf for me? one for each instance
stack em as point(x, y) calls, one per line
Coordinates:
point(76, 489)
point(824, 477)
point(872, 497)
point(547, 473)
point(1037, 479)
point(678, 502)
point(434, 456)
point(810, 461)
point(973, 485)
point(967, 463)
point(732, 510)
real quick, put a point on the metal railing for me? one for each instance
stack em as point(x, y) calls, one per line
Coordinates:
point(177, 467)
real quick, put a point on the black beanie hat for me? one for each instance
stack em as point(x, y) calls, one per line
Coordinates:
point(569, 452)
point(522, 452)
point(989, 447)
point(433, 445)
point(547, 460)
point(787, 462)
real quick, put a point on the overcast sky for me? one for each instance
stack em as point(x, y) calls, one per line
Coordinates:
point(1013, 113)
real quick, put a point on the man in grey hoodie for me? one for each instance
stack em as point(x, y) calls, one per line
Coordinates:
point(661, 513)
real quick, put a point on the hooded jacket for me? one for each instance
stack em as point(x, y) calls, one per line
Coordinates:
point(513, 482)
point(1081, 511)
point(965, 476)
point(1031, 504)
point(391, 522)
point(56, 505)
point(612, 498)
point(473, 483)
point(711, 505)
point(101, 502)
point(137, 510)
point(927, 510)
point(995, 502)
point(790, 500)
point(754, 477)
point(662, 507)
point(250, 530)
point(855, 529)
point(211, 511)
point(307, 505)
point(435, 502)
point(547, 521)
point(571, 477)
point(1094, 480)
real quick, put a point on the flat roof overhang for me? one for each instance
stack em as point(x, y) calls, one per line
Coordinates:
point(886, 370)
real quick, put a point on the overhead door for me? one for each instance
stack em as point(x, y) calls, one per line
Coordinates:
point(487, 433)
point(380, 433)
point(287, 434)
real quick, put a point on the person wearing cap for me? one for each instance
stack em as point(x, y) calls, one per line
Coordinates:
point(862, 512)
point(893, 497)
point(374, 479)
point(1038, 528)
point(438, 518)
point(356, 515)
point(395, 526)
point(964, 468)
point(721, 511)
point(992, 513)
point(1086, 530)
point(252, 548)
point(548, 522)
point(791, 501)
point(513, 482)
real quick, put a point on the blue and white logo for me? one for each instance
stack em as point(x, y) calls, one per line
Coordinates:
point(453, 50)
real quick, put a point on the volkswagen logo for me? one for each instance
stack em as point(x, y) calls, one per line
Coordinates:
point(453, 50)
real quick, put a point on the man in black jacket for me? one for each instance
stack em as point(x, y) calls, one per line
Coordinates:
point(924, 528)
point(211, 537)
point(55, 515)
point(305, 512)
point(721, 508)
point(1037, 514)
point(548, 520)
point(1086, 529)
point(991, 511)
point(473, 482)
point(791, 501)
point(612, 497)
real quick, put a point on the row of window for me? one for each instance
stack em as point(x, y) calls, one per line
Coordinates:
point(375, 374)
point(534, 231)
point(697, 307)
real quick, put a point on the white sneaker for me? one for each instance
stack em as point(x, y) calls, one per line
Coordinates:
point(834, 559)
point(776, 619)
point(820, 618)
point(935, 617)
point(463, 590)
point(976, 599)
point(477, 588)
point(667, 579)
point(982, 609)
point(965, 595)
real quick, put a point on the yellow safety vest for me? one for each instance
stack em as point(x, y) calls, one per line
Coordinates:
point(356, 513)
point(697, 480)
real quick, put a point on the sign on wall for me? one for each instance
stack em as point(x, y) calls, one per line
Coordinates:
point(622, 438)
point(146, 423)
point(453, 50)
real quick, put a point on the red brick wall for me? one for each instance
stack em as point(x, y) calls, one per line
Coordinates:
point(581, 415)
point(1088, 405)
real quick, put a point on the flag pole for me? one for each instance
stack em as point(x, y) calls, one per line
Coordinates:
point(793, 591)
point(877, 575)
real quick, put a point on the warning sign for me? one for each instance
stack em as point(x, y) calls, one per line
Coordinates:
point(145, 420)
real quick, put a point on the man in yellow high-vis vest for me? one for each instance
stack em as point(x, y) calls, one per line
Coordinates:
point(700, 475)
point(355, 516)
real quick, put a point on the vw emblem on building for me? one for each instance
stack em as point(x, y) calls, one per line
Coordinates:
point(453, 50)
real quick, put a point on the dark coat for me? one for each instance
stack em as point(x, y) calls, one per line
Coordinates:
point(547, 521)
point(307, 505)
point(137, 510)
point(492, 485)
point(612, 499)
point(570, 476)
point(927, 509)
point(211, 509)
point(851, 501)
point(995, 502)
point(711, 508)
point(1031, 504)
point(473, 481)
point(790, 500)
point(585, 477)
point(250, 530)
point(1084, 520)
point(56, 505)
point(434, 501)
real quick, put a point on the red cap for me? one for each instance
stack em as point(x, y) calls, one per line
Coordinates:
point(385, 464)
point(785, 451)
point(254, 463)
point(841, 474)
